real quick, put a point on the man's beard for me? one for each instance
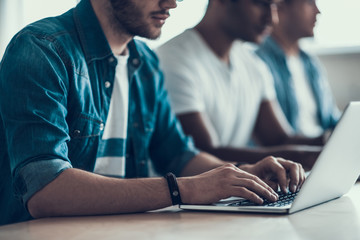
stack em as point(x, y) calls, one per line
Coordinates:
point(128, 18)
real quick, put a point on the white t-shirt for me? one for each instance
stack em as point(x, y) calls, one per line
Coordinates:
point(308, 121)
point(228, 96)
point(112, 150)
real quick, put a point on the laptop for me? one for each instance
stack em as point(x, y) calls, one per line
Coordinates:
point(334, 173)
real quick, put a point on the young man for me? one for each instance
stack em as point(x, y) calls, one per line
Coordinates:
point(83, 109)
point(300, 81)
point(222, 93)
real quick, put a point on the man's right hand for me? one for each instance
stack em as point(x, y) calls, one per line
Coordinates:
point(223, 182)
point(229, 181)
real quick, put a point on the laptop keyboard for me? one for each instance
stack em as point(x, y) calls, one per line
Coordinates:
point(284, 199)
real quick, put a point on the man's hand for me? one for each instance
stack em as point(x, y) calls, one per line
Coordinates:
point(253, 181)
point(224, 182)
point(278, 172)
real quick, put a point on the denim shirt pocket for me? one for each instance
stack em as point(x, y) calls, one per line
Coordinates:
point(148, 128)
point(85, 133)
point(142, 132)
point(148, 124)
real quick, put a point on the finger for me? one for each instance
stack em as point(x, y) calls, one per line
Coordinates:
point(280, 173)
point(257, 186)
point(273, 184)
point(302, 178)
point(296, 172)
point(252, 177)
point(243, 192)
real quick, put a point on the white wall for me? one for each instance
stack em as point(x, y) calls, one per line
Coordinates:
point(15, 14)
point(10, 10)
point(343, 69)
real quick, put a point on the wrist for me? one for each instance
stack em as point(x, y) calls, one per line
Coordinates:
point(186, 188)
point(245, 167)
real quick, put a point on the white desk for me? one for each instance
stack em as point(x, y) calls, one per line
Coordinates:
point(338, 220)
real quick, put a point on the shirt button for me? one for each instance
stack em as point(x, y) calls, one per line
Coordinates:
point(135, 61)
point(107, 84)
point(102, 126)
point(135, 124)
point(77, 133)
point(111, 60)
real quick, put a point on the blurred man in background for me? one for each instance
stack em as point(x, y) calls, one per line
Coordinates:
point(223, 93)
point(300, 81)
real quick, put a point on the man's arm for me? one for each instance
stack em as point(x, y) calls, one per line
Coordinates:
point(194, 124)
point(272, 128)
point(77, 192)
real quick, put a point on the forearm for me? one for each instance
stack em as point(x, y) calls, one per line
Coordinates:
point(201, 163)
point(314, 141)
point(305, 155)
point(246, 155)
point(272, 128)
point(77, 192)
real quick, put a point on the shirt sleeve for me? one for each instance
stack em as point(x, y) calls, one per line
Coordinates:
point(170, 148)
point(36, 175)
point(33, 110)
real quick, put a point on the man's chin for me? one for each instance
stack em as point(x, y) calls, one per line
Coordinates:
point(253, 38)
point(151, 35)
point(256, 40)
point(261, 38)
point(157, 36)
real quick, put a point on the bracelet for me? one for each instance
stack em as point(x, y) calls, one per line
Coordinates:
point(173, 188)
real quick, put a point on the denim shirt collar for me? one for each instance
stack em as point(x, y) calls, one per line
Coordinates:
point(91, 34)
point(271, 44)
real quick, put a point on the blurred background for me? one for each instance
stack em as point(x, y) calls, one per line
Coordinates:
point(336, 41)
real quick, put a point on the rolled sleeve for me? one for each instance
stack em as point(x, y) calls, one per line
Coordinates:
point(35, 175)
point(34, 115)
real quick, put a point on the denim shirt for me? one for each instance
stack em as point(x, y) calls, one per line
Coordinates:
point(56, 81)
point(327, 111)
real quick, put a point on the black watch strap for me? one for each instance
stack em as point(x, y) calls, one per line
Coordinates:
point(173, 188)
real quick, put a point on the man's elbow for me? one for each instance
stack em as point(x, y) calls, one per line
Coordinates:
point(39, 207)
point(34, 207)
